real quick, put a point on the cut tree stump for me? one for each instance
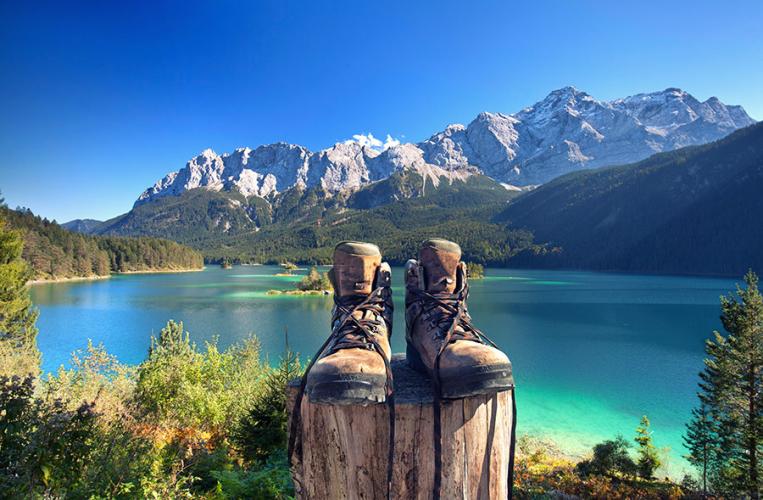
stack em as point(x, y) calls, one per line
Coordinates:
point(344, 448)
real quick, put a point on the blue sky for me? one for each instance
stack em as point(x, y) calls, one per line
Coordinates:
point(98, 100)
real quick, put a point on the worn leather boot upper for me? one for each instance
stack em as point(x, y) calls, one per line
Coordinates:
point(353, 365)
point(441, 338)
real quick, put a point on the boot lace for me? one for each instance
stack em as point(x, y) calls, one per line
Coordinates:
point(349, 331)
point(447, 317)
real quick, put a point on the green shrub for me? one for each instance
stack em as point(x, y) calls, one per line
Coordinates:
point(95, 375)
point(609, 458)
point(180, 386)
point(270, 481)
point(44, 447)
point(262, 431)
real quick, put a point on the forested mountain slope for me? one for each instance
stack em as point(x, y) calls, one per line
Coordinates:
point(304, 226)
point(693, 210)
point(55, 253)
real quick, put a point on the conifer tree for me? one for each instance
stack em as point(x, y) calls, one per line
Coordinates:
point(648, 460)
point(700, 440)
point(731, 392)
point(18, 333)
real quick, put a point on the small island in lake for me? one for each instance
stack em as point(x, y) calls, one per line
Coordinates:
point(288, 269)
point(314, 283)
point(475, 271)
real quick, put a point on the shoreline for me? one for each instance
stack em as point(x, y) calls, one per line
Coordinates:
point(67, 280)
point(75, 279)
point(161, 271)
point(298, 293)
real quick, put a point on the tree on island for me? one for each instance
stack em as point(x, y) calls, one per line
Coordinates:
point(289, 267)
point(475, 271)
point(315, 281)
point(725, 435)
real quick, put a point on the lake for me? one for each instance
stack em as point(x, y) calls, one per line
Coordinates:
point(592, 352)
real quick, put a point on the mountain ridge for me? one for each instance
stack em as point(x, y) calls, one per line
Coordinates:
point(688, 211)
point(567, 130)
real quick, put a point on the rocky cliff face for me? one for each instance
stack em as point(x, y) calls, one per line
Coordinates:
point(568, 130)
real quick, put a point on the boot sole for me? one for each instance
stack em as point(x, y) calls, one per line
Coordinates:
point(352, 389)
point(469, 381)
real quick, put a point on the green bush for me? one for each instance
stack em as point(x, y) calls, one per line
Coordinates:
point(44, 447)
point(95, 375)
point(270, 481)
point(609, 458)
point(179, 385)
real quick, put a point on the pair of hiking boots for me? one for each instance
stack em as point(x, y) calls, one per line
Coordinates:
point(353, 366)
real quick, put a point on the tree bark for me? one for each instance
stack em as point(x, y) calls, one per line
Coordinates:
point(345, 448)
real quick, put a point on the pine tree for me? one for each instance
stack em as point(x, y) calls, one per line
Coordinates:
point(743, 319)
point(700, 440)
point(17, 314)
point(18, 333)
point(263, 430)
point(648, 460)
point(731, 398)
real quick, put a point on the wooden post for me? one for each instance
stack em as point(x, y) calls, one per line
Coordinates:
point(344, 448)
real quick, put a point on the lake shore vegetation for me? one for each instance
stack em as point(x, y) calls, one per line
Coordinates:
point(55, 253)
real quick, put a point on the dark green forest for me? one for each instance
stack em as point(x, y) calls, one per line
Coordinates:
point(694, 210)
point(55, 253)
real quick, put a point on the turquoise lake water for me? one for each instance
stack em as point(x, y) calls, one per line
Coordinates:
point(592, 352)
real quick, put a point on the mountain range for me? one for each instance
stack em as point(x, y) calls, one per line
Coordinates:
point(283, 201)
point(568, 130)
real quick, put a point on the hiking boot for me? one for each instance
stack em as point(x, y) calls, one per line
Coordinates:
point(442, 341)
point(353, 367)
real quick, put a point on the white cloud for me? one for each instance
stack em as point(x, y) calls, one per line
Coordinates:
point(391, 142)
point(372, 142)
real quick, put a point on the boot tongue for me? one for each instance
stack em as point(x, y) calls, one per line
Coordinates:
point(440, 260)
point(355, 266)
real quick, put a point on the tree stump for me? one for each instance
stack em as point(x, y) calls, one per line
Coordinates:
point(344, 448)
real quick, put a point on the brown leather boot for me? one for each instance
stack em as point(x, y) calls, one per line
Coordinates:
point(441, 339)
point(352, 367)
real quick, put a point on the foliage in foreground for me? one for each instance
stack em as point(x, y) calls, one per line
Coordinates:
point(543, 472)
point(18, 332)
point(187, 422)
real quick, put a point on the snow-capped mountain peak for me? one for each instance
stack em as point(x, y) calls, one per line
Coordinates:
point(567, 130)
